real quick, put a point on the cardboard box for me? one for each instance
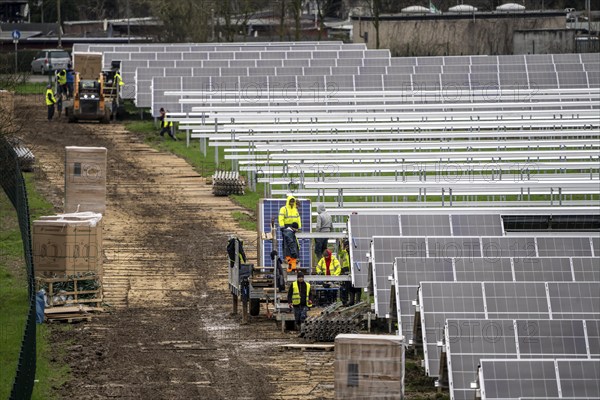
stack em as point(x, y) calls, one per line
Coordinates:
point(88, 65)
point(85, 179)
point(369, 366)
point(67, 244)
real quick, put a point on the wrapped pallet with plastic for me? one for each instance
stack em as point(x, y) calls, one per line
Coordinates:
point(369, 366)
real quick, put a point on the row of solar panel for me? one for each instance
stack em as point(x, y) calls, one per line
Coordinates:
point(482, 252)
point(468, 341)
point(376, 65)
point(539, 379)
point(248, 55)
point(285, 67)
point(330, 84)
point(439, 301)
point(408, 273)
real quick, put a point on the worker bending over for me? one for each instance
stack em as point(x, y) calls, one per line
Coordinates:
point(328, 264)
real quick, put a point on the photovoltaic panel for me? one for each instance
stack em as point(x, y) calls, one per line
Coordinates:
point(425, 225)
point(430, 61)
point(552, 338)
point(593, 334)
point(428, 69)
point(454, 247)
point(596, 246)
point(586, 269)
point(398, 82)
point(574, 300)
point(508, 246)
point(525, 300)
point(529, 269)
point(384, 252)
point(543, 80)
point(579, 378)
point(477, 225)
point(484, 69)
point(426, 81)
point(512, 379)
point(361, 228)
point(483, 269)
point(269, 210)
point(564, 246)
point(408, 274)
point(439, 301)
point(469, 341)
point(569, 67)
point(572, 79)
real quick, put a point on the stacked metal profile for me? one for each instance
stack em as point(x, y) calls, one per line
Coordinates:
point(335, 320)
point(225, 183)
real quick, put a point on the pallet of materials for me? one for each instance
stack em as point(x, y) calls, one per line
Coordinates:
point(84, 289)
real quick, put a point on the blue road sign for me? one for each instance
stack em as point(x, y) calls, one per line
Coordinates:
point(16, 35)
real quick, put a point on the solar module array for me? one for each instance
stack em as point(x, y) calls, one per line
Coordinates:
point(468, 341)
point(358, 123)
point(539, 379)
point(466, 289)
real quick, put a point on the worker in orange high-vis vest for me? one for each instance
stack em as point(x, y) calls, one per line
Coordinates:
point(300, 299)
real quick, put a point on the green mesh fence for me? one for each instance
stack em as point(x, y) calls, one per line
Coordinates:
point(13, 184)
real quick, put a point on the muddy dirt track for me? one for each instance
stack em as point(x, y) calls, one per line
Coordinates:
point(169, 334)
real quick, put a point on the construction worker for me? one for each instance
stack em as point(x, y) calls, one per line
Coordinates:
point(300, 299)
point(50, 101)
point(117, 80)
point(291, 247)
point(288, 214)
point(344, 257)
point(61, 79)
point(166, 125)
point(328, 264)
point(70, 81)
point(324, 224)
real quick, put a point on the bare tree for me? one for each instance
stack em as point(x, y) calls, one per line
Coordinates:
point(183, 20)
point(297, 12)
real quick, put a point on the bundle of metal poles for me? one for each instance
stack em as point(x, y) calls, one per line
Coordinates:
point(334, 320)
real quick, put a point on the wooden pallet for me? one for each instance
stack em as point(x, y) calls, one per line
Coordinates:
point(307, 347)
point(75, 293)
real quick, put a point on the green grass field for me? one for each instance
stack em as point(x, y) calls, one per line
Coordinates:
point(14, 302)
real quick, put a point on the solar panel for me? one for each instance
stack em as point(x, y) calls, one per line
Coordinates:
point(596, 246)
point(579, 378)
point(269, 210)
point(517, 299)
point(564, 246)
point(586, 269)
point(483, 269)
point(543, 269)
point(500, 300)
point(384, 253)
point(508, 246)
point(441, 300)
point(453, 247)
point(468, 341)
point(425, 225)
point(361, 229)
point(511, 379)
point(593, 334)
point(477, 225)
point(574, 300)
point(408, 274)
point(539, 379)
point(572, 79)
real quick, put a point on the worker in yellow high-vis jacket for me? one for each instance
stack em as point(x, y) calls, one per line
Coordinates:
point(300, 299)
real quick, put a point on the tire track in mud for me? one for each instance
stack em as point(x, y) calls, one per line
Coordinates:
point(169, 334)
